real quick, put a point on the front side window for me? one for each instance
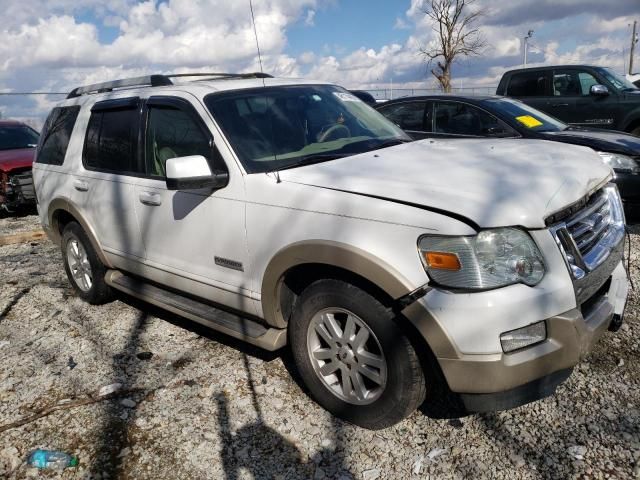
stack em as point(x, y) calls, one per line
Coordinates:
point(112, 140)
point(56, 135)
point(17, 136)
point(462, 119)
point(527, 84)
point(273, 128)
point(572, 83)
point(171, 133)
point(522, 115)
point(407, 115)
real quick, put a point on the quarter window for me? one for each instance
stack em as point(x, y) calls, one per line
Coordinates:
point(172, 133)
point(527, 84)
point(407, 115)
point(112, 140)
point(56, 135)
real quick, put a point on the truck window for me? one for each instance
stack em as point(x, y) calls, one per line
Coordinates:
point(572, 83)
point(527, 84)
point(56, 134)
point(171, 133)
point(112, 140)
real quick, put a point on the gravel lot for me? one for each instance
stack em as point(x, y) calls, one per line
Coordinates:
point(195, 404)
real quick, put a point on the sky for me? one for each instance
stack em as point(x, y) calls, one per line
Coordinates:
point(56, 45)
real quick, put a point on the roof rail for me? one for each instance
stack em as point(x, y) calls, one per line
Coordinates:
point(155, 81)
point(223, 75)
point(149, 80)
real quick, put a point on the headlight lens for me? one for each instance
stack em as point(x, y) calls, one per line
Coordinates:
point(620, 163)
point(490, 259)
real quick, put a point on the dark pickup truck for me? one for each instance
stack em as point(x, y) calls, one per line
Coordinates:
point(580, 95)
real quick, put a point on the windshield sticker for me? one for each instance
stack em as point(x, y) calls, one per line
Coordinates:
point(529, 121)
point(346, 97)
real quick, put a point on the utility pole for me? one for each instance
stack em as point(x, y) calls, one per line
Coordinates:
point(526, 43)
point(634, 40)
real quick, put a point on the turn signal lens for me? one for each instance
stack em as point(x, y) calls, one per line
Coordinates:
point(442, 260)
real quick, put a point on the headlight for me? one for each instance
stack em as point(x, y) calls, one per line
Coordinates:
point(620, 163)
point(490, 259)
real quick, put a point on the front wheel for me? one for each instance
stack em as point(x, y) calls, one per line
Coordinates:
point(353, 356)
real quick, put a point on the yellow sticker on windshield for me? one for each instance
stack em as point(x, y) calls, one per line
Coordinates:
point(529, 121)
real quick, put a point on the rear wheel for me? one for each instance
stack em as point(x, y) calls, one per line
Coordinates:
point(84, 269)
point(353, 357)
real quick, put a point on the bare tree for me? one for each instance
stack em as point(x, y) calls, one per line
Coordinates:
point(457, 35)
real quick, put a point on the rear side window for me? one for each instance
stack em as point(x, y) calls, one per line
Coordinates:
point(56, 134)
point(111, 144)
point(407, 115)
point(527, 84)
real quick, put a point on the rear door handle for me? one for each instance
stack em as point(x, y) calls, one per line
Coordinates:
point(150, 198)
point(559, 104)
point(80, 185)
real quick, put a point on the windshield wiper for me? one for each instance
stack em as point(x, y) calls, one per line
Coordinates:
point(311, 159)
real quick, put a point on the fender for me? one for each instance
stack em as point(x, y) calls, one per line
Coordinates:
point(329, 253)
point(65, 205)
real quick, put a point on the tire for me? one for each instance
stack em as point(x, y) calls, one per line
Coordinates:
point(399, 386)
point(80, 257)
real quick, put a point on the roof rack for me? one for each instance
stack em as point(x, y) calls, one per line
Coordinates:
point(155, 81)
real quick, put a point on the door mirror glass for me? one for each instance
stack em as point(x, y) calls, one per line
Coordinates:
point(599, 90)
point(193, 172)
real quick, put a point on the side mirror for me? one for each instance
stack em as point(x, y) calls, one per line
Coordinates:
point(193, 172)
point(599, 90)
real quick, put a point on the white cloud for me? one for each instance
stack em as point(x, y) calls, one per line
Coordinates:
point(309, 21)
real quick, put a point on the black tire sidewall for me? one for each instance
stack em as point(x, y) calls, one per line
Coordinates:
point(399, 398)
point(99, 292)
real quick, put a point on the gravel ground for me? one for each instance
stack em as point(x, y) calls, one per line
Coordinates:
point(195, 404)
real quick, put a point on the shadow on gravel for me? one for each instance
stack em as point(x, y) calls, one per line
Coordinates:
point(114, 436)
point(257, 447)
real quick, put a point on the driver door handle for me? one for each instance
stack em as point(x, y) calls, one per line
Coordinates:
point(151, 199)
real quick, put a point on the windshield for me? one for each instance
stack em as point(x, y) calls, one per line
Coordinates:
point(522, 115)
point(618, 81)
point(17, 136)
point(273, 128)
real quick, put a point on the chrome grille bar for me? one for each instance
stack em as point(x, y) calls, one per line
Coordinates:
point(587, 238)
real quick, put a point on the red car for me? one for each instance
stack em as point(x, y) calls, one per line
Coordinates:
point(17, 148)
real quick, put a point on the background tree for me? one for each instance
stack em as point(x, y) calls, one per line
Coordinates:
point(456, 26)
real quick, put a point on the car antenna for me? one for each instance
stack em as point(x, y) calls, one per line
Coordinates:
point(255, 32)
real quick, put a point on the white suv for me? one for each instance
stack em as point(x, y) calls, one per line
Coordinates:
point(287, 212)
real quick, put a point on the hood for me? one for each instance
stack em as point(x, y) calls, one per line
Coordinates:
point(489, 183)
point(12, 159)
point(598, 139)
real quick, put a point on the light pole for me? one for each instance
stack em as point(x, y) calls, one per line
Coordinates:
point(526, 43)
point(634, 40)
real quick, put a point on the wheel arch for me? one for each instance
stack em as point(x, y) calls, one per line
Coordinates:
point(61, 212)
point(299, 264)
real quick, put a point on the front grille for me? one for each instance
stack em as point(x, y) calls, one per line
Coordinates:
point(22, 184)
point(588, 236)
